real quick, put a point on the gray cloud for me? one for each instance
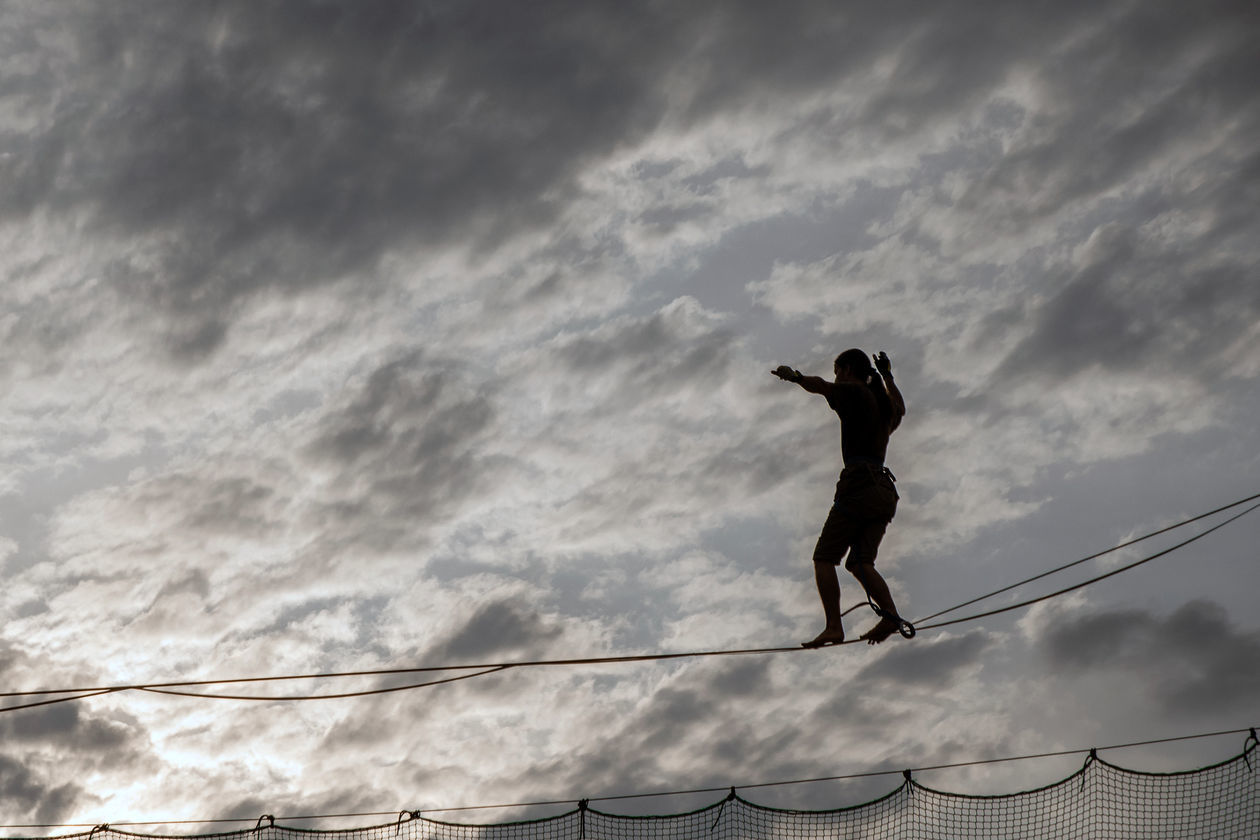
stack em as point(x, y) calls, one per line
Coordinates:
point(1164, 153)
point(655, 353)
point(495, 628)
point(195, 582)
point(936, 663)
point(754, 465)
point(65, 725)
point(742, 679)
point(1194, 660)
point(32, 779)
point(23, 792)
point(690, 721)
point(1125, 112)
point(408, 442)
point(235, 504)
point(1136, 304)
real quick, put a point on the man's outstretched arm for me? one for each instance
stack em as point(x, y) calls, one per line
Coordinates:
point(813, 384)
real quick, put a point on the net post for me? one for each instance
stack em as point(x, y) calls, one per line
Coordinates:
point(1248, 745)
point(722, 808)
point(583, 804)
point(410, 815)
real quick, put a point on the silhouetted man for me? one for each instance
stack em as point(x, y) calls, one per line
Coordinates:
point(865, 499)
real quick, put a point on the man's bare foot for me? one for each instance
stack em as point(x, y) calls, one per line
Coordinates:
point(879, 632)
point(826, 637)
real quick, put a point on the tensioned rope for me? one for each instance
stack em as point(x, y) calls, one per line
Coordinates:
point(483, 669)
point(1250, 744)
point(1093, 556)
point(1093, 580)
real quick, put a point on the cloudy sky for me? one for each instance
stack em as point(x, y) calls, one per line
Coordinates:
point(341, 336)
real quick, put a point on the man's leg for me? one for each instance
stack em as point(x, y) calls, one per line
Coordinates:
point(829, 594)
point(862, 564)
point(832, 545)
point(873, 582)
point(877, 589)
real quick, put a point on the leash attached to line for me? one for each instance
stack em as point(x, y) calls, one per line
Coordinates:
point(905, 628)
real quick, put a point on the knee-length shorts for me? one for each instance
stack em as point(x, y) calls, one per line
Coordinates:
point(865, 503)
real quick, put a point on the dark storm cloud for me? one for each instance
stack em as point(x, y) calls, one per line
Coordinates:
point(1194, 660)
point(280, 145)
point(286, 144)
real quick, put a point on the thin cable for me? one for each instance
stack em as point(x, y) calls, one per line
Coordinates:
point(325, 696)
point(610, 798)
point(605, 660)
point(1093, 580)
point(214, 821)
point(85, 695)
point(189, 683)
point(1095, 556)
point(591, 660)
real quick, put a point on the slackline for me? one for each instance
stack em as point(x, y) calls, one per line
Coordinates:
point(483, 669)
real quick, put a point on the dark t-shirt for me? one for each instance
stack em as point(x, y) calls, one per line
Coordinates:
point(863, 433)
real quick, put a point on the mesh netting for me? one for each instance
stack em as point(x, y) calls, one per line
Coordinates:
point(1099, 802)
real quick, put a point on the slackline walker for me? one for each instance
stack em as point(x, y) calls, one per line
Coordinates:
point(470, 671)
point(870, 408)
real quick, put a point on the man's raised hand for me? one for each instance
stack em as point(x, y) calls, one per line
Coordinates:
point(883, 364)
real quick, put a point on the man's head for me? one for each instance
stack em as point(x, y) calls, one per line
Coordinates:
point(852, 366)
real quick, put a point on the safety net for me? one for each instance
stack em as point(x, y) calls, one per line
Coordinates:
point(1101, 801)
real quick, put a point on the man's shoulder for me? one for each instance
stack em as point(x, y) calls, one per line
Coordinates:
point(844, 393)
point(850, 396)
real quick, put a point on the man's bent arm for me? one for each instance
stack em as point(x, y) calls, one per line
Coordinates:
point(883, 364)
point(899, 404)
